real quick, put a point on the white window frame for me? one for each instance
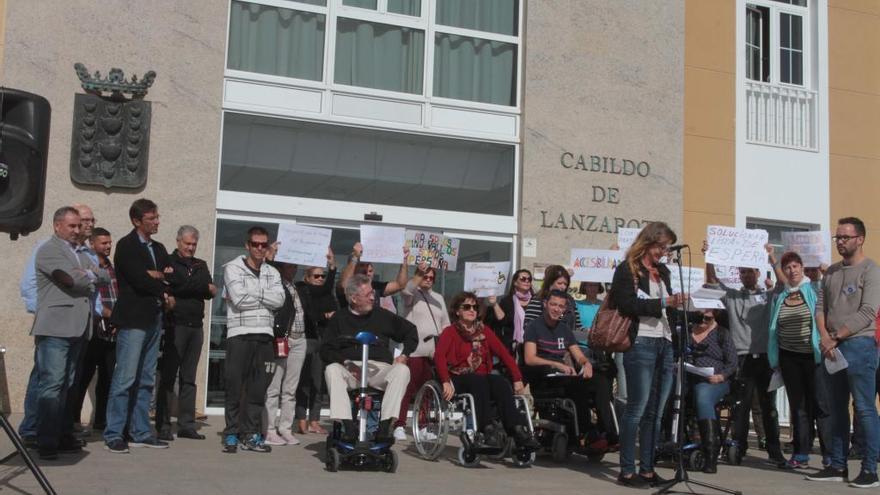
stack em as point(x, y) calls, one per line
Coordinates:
point(776, 9)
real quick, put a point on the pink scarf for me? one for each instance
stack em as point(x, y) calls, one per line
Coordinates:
point(519, 314)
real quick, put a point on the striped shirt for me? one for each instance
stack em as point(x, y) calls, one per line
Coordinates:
point(795, 327)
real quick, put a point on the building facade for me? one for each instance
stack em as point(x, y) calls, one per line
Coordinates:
point(522, 128)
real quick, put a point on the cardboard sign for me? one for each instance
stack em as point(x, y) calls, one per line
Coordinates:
point(433, 248)
point(595, 265)
point(486, 279)
point(625, 238)
point(382, 244)
point(302, 245)
point(814, 247)
point(694, 278)
point(730, 246)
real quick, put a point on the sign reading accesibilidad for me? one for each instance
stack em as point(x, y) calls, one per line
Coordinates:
point(595, 265)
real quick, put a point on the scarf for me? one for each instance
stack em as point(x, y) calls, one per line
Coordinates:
point(476, 338)
point(519, 314)
point(804, 281)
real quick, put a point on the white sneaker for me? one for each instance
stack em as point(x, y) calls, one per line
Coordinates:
point(399, 433)
point(426, 435)
point(272, 438)
point(288, 438)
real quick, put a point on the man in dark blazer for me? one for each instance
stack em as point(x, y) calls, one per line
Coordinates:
point(141, 267)
point(66, 282)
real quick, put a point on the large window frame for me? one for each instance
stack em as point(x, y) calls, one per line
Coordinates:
point(771, 47)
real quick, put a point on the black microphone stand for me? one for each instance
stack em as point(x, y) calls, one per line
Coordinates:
point(678, 423)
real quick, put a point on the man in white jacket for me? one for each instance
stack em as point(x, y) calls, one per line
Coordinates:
point(253, 290)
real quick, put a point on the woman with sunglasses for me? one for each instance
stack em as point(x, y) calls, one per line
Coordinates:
point(507, 315)
point(710, 347)
point(464, 363)
point(641, 290)
point(426, 309)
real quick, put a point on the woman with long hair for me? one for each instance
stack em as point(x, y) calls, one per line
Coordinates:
point(507, 315)
point(556, 277)
point(641, 290)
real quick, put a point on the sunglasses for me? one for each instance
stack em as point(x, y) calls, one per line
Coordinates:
point(524, 279)
point(468, 307)
point(263, 245)
point(429, 277)
point(319, 275)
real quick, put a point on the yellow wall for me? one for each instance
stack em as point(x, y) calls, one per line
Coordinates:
point(709, 116)
point(854, 107)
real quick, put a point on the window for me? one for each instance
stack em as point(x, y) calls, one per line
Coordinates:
point(757, 43)
point(788, 64)
point(791, 49)
point(379, 56)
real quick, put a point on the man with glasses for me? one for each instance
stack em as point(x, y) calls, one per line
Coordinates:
point(344, 355)
point(253, 291)
point(846, 317)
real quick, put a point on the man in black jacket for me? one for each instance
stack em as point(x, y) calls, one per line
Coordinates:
point(190, 285)
point(141, 268)
point(344, 355)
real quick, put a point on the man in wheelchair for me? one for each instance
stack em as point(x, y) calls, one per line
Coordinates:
point(556, 367)
point(343, 354)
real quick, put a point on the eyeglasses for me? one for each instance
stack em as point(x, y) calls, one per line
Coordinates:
point(261, 245)
point(468, 307)
point(429, 277)
point(319, 275)
point(524, 279)
point(844, 238)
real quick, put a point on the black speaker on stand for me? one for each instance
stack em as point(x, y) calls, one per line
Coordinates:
point(24, 148)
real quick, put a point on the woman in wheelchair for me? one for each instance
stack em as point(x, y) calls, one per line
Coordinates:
point(463, 358)
point(548, 343)
point(710, 347)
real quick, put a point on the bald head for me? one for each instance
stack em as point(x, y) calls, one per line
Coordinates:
point(87, 220)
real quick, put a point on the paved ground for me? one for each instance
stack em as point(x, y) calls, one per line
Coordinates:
point(191, 467)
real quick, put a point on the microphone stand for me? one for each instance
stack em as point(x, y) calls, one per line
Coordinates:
point(678, 423)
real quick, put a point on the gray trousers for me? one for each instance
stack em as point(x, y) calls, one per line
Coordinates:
point(281, 393)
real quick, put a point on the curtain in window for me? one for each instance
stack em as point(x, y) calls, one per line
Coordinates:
point(364, 4)
point(405, 7)
point(474, 69)
point(494, 16)
point(379, 56)
point(276, 41)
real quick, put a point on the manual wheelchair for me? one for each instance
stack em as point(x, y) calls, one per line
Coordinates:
point(433, 418)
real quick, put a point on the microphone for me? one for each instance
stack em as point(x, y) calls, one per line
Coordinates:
point(677, 247)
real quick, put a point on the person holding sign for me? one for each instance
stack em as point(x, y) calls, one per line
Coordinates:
point(382, 289)
point(424, 308)
point(748, 318)
point(793, 347)
point(711, 347)
point(648, 363)
point(507, 315)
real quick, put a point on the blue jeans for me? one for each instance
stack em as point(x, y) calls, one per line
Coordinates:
point(649, 376)
point(28, 426)
point(57, 359)
point(706, 396)
point(858, 379)
point(133, 380)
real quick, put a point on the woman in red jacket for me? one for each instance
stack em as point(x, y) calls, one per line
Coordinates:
point(463, 358)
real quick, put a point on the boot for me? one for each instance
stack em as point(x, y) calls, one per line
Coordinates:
point(524, 439)
point(385, 432)
point(709, 444)
point(349, 431)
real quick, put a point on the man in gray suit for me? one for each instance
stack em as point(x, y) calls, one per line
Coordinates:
point(66, 281)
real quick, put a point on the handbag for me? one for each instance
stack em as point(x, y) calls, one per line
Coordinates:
point(610, 329)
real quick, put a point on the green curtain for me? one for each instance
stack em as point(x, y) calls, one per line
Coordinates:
point(364, 4)
point(276, 41)
point(494, 16)
point(379, 56)
point(405, 7)
point(474, 69)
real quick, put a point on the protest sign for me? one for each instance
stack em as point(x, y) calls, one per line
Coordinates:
point(814, 247)
point(382, 244)
point(433, 248)
point(731, 246)
point(694, 278)
point(486, 279)
point(595, 265)
point(707, 299)
point(625, 237)
point(302, 245)
point(729, 276)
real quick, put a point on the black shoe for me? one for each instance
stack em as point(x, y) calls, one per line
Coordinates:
point(653, 481)
point(634, 481)
point(70, 447)
point(150, 443)
point(385, 432)
point(192, 434)
point(349, 431)
point(117, 446)
point(52, 454)
point(865, 480)
point(29, 441)
point(776, 458)
point(165, 435)
point(524, 438)
point(829, 474)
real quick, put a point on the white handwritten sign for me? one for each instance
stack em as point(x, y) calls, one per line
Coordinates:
point(486, 279)
point(694, 278)
point(730, 246)
point(814, 247)
point(729, 276)
point(625, 237)
point(382, 244)
point(433, 248)
point(595, 265)
point(301, 245)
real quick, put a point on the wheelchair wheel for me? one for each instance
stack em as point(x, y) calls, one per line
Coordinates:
point(694, 460)
point(467, 458)
point(390, 462)
point(733, 456)
point(523, 459)
point(430, 421)
point(333, 460)
point(559, 447)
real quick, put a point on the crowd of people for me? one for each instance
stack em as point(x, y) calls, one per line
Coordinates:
point(287, 341)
